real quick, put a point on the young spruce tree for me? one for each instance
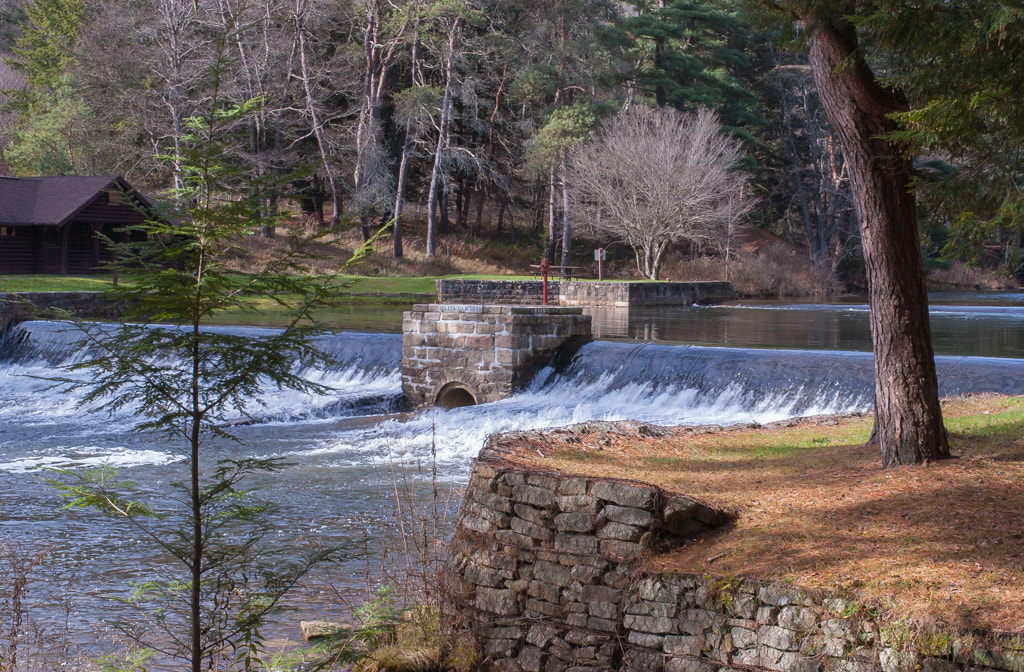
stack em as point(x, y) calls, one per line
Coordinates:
point(189, 383)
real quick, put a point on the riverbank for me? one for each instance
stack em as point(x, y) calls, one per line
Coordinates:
point(936, 548)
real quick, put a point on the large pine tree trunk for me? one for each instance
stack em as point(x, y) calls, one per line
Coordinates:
point(908, 418)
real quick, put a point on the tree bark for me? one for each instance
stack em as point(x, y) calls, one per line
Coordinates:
point(314, 113)
point(403, 165)
point(566, 221)
point(439, 172)
point(444, 223)
point(908, 417)
point(479, 223)
point(552, 199)
point(369, 176)
point(400, 191)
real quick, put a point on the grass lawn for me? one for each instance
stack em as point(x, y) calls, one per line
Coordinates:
point(347, 284)
point(54, 283)
point(937, 546)
point(415, 285)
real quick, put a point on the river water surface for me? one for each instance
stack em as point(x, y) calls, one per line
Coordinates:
point(738, 363)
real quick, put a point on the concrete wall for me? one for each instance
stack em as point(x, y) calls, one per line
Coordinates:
point(490, 350)
point(678, 293)
point(547, 571)
point(586, 293)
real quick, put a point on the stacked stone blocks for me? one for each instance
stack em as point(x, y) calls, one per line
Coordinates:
point(581, 293)
point(18, 306)
point(543, 564)
point(547, 572)
point(636, 294)
point(492, 350)
point(494, 292)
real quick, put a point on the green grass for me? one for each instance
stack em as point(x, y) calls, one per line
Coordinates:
point(347, 284)
point(1001, 416)
point(411, 285)
point(54, 283)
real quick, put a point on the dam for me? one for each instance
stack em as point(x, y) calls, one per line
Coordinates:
point(336, 441)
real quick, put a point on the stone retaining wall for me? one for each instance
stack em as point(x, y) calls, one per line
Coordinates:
point(547, 571)
point(18, 306)
point(585, 293)
point(503, 292)
point(624, 294)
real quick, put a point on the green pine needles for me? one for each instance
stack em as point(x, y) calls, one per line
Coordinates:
point(188, 383)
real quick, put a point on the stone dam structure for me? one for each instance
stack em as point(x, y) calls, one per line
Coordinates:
point(548, 573)
point(481, 341)
point(484, 339)
point(18, 306)
point(582, 293)
point(459, 355)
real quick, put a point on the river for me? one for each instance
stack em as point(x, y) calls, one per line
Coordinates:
point(345, 447)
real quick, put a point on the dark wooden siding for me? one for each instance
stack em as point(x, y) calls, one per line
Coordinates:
point(37, 249)
point(17, 256)
point(47, 250)
point(80, 249)
point(115, 216)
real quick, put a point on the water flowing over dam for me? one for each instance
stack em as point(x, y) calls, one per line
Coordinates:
point(665, 384)
point(337, 443)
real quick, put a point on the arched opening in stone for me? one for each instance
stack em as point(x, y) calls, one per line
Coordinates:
point(455, 395)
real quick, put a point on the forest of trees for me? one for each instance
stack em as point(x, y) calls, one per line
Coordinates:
point(470, 111)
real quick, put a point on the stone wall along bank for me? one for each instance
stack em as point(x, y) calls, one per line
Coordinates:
point(19, 306)
point(582, 293)
point(547, 571)
point(638, 294)
point(495, 292)
point(457, 355)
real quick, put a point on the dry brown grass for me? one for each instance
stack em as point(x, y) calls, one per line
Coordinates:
point(775, 270)
point(961, 276)
point(939, 546)
point(455, 255)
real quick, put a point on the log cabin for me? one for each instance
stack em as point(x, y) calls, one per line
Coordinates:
point(51, 225)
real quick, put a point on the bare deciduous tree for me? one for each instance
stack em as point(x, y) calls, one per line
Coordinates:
point(656, 177)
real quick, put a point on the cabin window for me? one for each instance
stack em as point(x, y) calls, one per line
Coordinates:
point(114, 197)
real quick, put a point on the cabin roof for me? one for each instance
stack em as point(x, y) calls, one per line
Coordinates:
point(52, 201)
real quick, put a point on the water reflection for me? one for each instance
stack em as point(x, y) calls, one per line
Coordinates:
point(963, 323)
point(989, 331)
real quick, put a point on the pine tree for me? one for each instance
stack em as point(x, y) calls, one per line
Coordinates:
point(962, 67)
point(861, 110)
point(48, 136)
point(189, 383)
point(689, 54)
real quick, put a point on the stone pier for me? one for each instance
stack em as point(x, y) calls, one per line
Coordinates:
point(460, 355)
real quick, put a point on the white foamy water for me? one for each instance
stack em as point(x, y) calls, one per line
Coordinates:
point(82, 457)
point(457, 435)
point(45, 424)
point(343, 445)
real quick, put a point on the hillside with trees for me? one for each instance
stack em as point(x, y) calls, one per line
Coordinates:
point(465, 121)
